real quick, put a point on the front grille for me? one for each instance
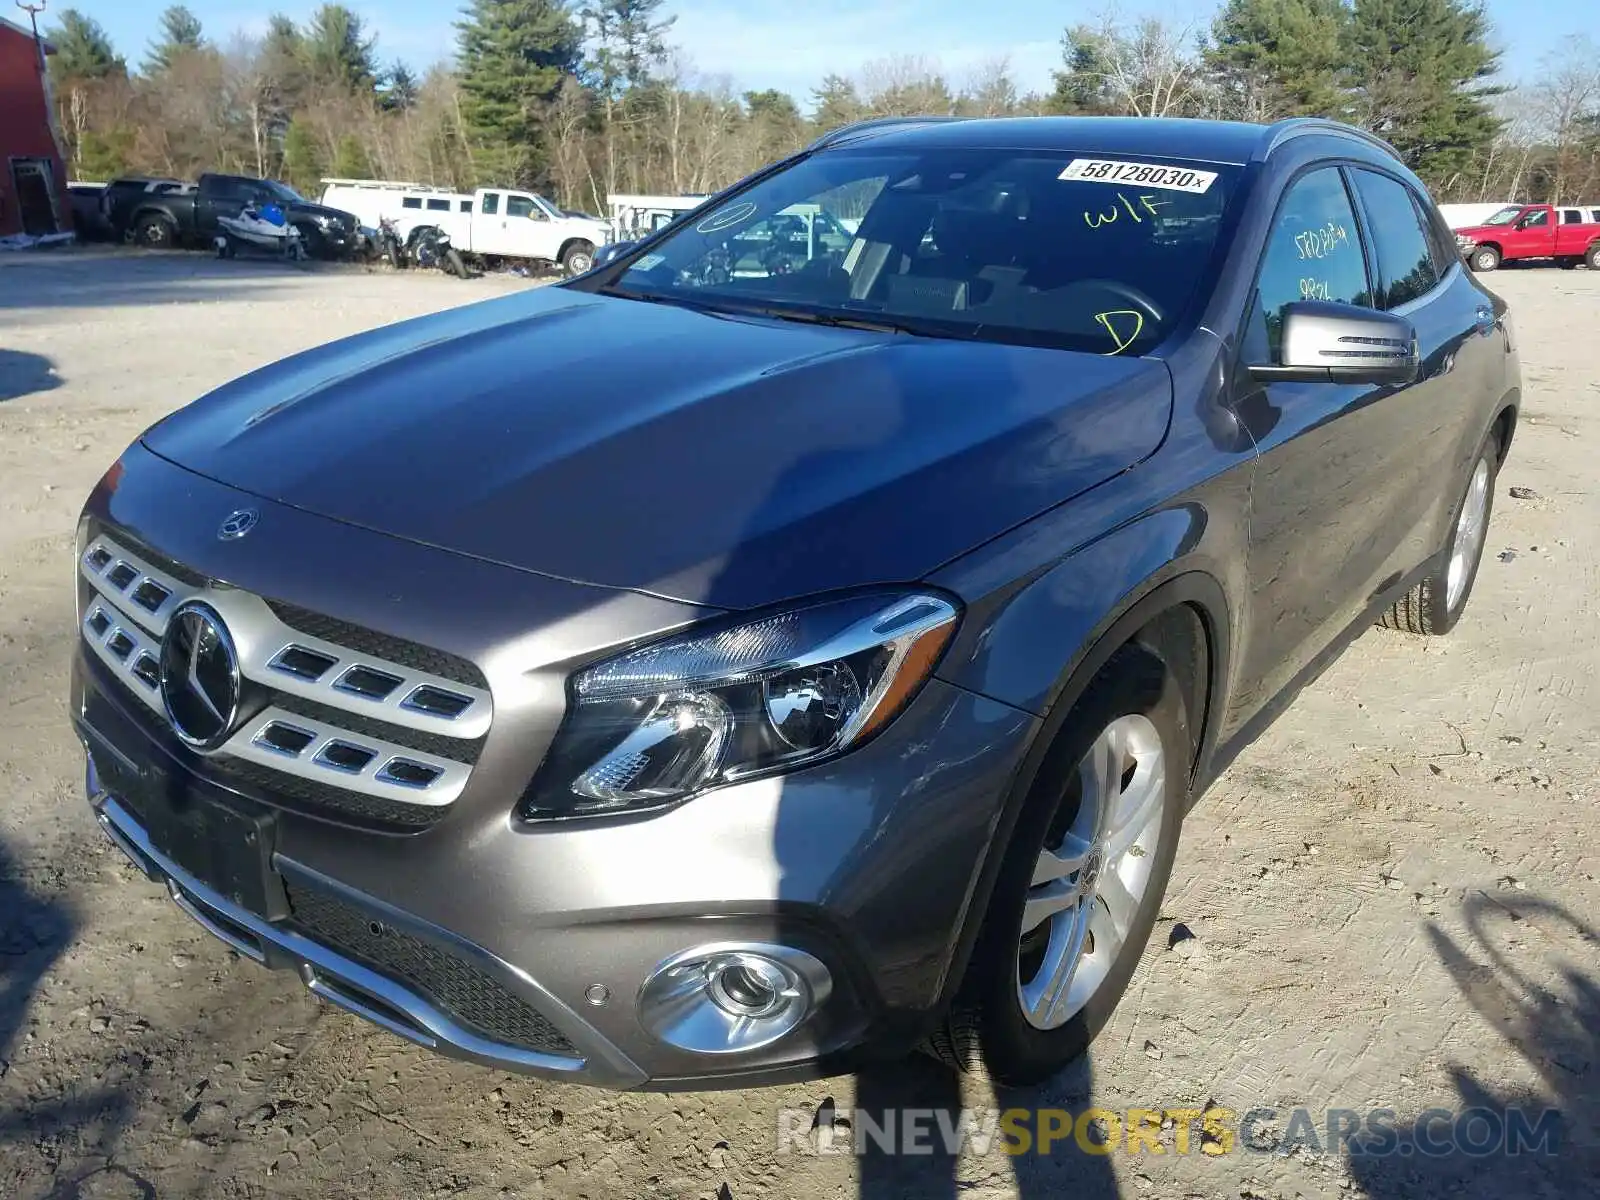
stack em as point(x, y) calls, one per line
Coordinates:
point(380, 645)
point(458, 988)
point(383, 732)
point(457, 749)
point(321, 799)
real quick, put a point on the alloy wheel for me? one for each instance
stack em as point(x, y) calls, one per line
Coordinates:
point(1472, 525)
point(1092, 873)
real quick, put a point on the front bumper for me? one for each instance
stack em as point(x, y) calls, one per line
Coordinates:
point(353, 986)
point(868, 863)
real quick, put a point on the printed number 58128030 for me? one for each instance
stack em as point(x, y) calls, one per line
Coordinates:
point(1105, 170)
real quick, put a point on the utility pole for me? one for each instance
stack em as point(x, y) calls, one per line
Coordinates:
point(33, 8)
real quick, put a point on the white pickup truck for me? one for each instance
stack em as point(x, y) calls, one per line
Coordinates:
point(490, 223)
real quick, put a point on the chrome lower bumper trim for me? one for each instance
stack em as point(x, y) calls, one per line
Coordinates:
point(350, 985)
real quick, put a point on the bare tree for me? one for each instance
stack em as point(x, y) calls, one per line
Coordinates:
point(1566, 105)
point(992, 90)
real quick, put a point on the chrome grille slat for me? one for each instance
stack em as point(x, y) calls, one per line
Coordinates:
point(363, 709)
point(312, 761)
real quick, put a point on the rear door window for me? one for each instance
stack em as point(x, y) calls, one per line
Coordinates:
point(1571, 216)
point(490, 205)
point(1313, 253)
point(1406, 268)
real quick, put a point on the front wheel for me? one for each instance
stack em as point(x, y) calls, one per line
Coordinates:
point(1485, 258)
point(1081, 884)
point(1435, 605)
point(578, 259)
point(454, 264)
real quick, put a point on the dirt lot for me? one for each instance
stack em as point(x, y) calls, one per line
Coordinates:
point(1393, 895)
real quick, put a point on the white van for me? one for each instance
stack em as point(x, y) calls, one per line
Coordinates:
point(491, 222)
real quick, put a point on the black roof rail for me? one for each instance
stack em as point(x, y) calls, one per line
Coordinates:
point(872, 123)
point(1281, 131)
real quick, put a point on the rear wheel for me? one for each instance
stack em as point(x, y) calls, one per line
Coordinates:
point(1435, 605)
point(1485, 258)
point(453, 262)
point(1591, 257)
point(1082, 881)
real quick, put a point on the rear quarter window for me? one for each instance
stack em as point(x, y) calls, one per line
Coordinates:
point(411, 202)
point(438, 206)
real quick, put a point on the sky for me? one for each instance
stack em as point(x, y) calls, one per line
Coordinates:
point(780, 44)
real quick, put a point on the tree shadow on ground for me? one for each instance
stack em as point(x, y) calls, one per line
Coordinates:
point(24, 374)
point(1538, 1142)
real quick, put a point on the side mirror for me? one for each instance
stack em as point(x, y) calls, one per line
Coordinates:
point(1326, 342)
point(610, 251)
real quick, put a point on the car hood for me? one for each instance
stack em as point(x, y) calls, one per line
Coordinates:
point(718, 460)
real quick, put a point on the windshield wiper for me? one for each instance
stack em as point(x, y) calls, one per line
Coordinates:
point(872, 324)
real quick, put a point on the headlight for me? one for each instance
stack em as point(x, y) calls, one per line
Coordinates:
point(664, 721)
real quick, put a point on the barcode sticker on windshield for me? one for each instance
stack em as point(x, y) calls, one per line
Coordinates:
point(1105, 170)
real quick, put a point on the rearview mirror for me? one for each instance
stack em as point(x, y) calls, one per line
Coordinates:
point(610, 251)
point(1326, 342)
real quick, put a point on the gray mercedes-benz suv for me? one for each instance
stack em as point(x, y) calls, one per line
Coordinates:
point(798, 639)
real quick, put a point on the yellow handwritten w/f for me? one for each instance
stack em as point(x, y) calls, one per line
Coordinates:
point(1123, 339)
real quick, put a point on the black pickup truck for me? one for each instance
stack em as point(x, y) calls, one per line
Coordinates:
point(186, 215)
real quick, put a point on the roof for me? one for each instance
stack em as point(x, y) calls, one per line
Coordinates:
point(49, 47)
point(1228, 142)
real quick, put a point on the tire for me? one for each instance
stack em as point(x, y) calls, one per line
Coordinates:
point(1135, 700)
point(312, 243)
point(155, 232)
point(392, 253)
point(1591, 257)
point(578, 258)
point(1485, 258)
point(453, 262)
point(1433, 607)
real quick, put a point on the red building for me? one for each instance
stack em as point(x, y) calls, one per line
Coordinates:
point(33, 179)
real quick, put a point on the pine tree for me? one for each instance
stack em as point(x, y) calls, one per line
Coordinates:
point(180, 32)
point(837, 103)
point(338, 49)
point(302, 157)
point(1417, 71)
point(513, 56)
point(1081, 83)
point(350, 161)
point(1278, 58)
point(399, 89)
point(83, 48)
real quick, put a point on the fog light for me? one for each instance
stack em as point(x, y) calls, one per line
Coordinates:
point(726, 998)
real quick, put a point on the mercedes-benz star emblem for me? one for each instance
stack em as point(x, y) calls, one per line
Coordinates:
point(237, 523)
point(199, 676)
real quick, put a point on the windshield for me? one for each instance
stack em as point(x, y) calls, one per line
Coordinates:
point(283, 191)
point(1505, 216)
point(1033, 246)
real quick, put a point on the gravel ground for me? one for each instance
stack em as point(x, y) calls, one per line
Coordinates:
point(1389, 902)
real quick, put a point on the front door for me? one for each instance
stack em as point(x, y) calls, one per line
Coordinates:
point(511, 225)
point(1532, 235)
point(1328, 526)
point(32, 178)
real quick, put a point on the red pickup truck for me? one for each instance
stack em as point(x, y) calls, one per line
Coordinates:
point(1569, 235)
